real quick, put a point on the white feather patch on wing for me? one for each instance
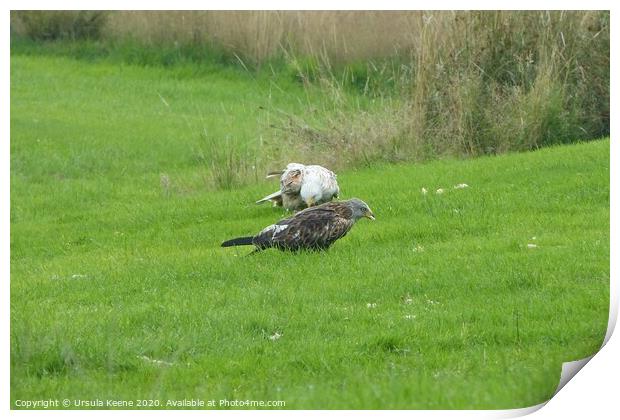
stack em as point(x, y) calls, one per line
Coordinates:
point(277, 229)
point(267, 229)
point(273, 229)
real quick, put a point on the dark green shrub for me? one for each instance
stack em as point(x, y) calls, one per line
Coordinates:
point(61, 24)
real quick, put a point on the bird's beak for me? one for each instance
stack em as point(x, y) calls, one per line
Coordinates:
point(369, 215)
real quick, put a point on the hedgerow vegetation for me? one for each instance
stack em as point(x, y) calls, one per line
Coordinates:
point(392, 86)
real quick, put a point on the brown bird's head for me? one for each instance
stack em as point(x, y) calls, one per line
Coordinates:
point(359, 209)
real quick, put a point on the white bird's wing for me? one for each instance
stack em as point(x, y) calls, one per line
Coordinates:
point(275, 197)
point(319, 184)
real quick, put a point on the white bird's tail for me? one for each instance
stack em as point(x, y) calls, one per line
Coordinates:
point(274, 174)
point(276, 196)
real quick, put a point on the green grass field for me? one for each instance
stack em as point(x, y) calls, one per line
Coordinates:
point(467, 299)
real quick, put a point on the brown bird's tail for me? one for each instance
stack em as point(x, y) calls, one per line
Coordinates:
point(246, 240)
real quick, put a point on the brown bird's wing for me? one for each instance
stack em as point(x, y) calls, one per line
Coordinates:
point(313, 228)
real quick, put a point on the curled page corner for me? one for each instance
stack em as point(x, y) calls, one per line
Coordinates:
point(519, 412)
point(570, 369)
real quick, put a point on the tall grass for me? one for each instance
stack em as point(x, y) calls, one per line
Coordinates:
point(475, 83)
point(228, 161)
point(402, 85)
point(258, 36)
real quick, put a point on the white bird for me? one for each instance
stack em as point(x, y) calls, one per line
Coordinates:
point(303, 186)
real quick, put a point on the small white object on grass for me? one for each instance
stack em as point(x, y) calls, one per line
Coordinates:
point(532, 246)
point(424, 191)
point(275, 336)
point(371, 305)
point(459, 186)
point(155, 361)
point(439, 191)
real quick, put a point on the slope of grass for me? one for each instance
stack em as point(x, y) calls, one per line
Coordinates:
point(85, 120)
point(440, 303)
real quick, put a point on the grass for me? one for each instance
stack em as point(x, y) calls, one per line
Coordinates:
point(86, 120)
point(440, 303)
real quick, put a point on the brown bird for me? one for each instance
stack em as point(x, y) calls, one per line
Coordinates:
point(314, 228)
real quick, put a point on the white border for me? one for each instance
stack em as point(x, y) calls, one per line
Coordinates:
point(592, 392)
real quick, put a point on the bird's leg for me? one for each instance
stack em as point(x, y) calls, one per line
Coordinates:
point(310, 202)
